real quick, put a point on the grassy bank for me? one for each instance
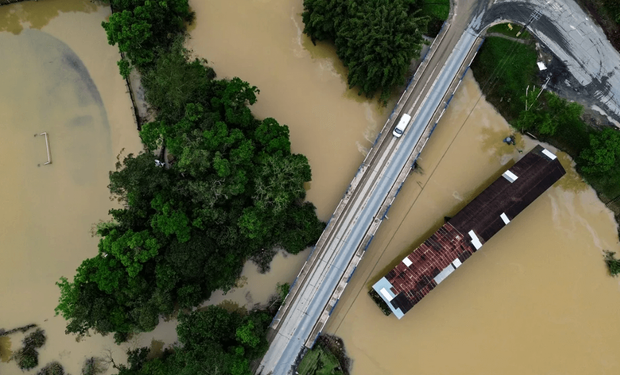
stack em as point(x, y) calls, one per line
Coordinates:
point(319, 361)
point(328, 357)
point(505, 69)
point(510, 30)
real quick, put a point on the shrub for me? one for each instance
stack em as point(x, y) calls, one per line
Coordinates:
point(612, 263)
point(27, 358)
point(93, 366)
point(52, 368)
point(36, 339)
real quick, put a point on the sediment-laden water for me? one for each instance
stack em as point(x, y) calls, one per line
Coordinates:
point(535, 299)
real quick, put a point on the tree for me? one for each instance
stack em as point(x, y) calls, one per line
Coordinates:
point(52, 368)
point(375, 39)
point(322, 18)
point(175, 81)
point(603, 153)
point(140, 27)
point(28, 357)
point(130, 30)
point(613, 264)
point(234, 188)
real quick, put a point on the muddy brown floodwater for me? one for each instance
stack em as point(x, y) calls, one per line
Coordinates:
point(58, 76)
point(536, 299)
point(302, 86)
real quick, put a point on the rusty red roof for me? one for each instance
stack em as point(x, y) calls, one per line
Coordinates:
point(422, 270)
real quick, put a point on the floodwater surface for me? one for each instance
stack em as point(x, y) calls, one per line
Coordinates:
point(536, 299)
point(301, 85)
point(58, 76)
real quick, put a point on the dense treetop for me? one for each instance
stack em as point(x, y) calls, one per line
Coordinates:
point(603, 155)
point(375, 39)
point(232, 191)
point(212, 342)
point(140, 26)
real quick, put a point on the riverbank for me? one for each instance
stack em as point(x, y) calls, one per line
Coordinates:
point(327, 357)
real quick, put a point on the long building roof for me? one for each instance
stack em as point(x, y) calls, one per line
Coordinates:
point(467, 231)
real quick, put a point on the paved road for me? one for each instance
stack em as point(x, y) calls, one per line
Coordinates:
point(590, 71)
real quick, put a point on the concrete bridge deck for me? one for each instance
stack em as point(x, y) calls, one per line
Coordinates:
point(327, 271)
point(363, 207)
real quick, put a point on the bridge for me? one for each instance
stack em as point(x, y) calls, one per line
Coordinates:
point(366, 203)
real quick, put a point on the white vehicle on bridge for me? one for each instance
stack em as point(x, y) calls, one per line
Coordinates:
point(402, 125)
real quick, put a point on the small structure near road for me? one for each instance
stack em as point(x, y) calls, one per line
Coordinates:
point(446, 250)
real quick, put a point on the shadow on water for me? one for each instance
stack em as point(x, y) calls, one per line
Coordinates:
point(39, 13)
point(5, 348)
point(156, 349)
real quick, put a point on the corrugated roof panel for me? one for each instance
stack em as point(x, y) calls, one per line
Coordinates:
point(474, 239)
point(505, 218)
point(511, 177)
point(549, 154)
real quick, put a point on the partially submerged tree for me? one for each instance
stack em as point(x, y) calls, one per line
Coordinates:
point(52, 368)
point(140, 27)
point(212, 341)
point(375, 39)
point(28, 357)
point(233, 190)
point(612, 263)
point(603, 155)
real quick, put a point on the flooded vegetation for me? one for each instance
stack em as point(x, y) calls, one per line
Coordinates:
point(537, 296)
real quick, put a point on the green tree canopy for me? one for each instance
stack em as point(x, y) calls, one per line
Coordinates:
point(212, 341)
point(375, 39)
point(603, 155)
point(140, 27)
point(232, 190)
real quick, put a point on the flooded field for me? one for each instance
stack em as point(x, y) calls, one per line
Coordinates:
point(535, 299)
point(58, 76)
point(65, 82)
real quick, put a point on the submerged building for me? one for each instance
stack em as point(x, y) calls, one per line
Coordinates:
point(465, 233)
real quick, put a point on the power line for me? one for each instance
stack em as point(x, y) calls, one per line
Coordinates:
point(498, 69)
